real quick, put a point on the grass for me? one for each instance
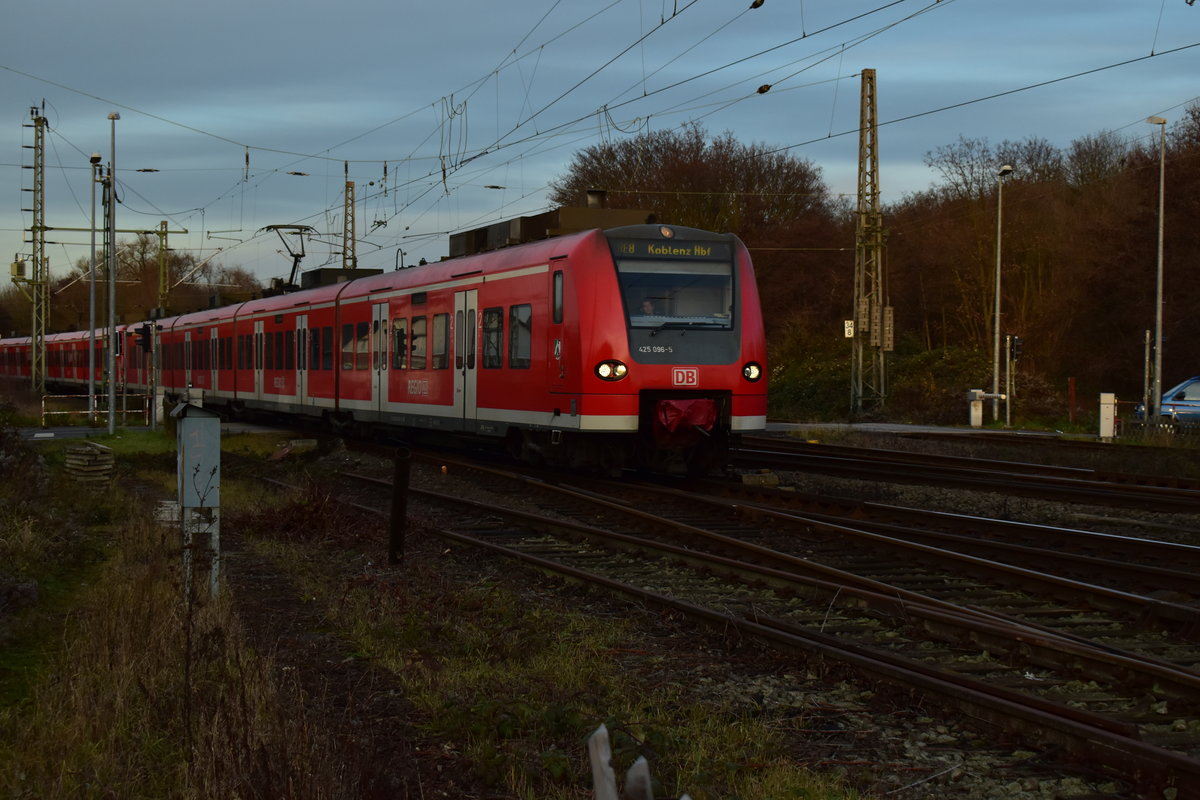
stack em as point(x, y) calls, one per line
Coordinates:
point(119, 684)
point(145, 695)
point(520, 683)
point(111, 683)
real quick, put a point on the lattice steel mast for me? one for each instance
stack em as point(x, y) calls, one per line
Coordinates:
point(872, 331)
point(36, 286)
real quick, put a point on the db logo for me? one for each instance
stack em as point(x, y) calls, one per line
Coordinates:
point(685, 376)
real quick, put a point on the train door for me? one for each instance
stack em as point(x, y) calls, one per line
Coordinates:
point(557, 362)
point(214, 344)
point(379, 356)
point(302, 359)
point(258, 359)
point(187, 359)
point(466, 337)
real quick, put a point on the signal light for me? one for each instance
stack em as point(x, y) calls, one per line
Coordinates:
point(752, 372)
point(1016, 347)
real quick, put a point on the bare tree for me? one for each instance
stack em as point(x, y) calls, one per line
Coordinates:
point(1094, 158)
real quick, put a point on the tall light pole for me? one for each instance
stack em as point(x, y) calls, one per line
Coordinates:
point(112, 277)
point(95, 161)
point(1156, 391)
point(1004, 170)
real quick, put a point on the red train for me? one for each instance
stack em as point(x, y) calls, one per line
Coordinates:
point(640, 344)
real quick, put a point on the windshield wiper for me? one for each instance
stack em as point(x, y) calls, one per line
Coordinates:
point(680, 326)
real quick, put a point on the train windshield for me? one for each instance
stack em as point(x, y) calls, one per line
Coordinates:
point(677, 293)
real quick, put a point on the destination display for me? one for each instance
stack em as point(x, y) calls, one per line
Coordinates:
point(648, 248)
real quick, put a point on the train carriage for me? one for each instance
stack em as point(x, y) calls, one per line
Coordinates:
point(641, 344)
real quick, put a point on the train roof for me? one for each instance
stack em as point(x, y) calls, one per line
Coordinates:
point(409, 277)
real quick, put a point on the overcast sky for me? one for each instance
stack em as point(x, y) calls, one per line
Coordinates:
point(429, 107)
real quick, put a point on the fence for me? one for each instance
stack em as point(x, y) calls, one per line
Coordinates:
point(51, 403)
point(604, 781)
point(1167, 432)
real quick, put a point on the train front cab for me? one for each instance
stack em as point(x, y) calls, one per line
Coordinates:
point(655, 355)
point(695, 333)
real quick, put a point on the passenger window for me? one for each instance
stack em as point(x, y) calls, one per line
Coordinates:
point(269, 351)
point(279, 349)
point(363, 346)
point(314, 348)
point(289, 350)
point(400, 343)
point(327, 347)
point(493, 338)
point(418, 343)
point(348, 346)
point(520, 336)
point(441, 341)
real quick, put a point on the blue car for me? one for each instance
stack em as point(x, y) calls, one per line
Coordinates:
point(1180, 403)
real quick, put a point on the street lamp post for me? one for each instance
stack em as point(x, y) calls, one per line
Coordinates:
point(1004, 170)
point(112, 277)
point(1156, 391)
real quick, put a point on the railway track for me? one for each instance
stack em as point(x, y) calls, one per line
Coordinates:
point(1064, 484)
point(1088, 673)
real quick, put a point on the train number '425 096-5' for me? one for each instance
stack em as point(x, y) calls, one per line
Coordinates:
point(656, 348)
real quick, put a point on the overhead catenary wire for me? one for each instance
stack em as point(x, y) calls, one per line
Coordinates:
point(542, 138)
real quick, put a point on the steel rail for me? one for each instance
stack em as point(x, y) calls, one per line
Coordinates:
point(792, 572)
point(1044, 486)
point(1083, 732)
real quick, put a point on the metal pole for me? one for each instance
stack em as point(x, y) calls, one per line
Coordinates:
point(112, 277)
point(1158, 293)
point(1004, 170)
point(1147, 408)
point(95, 160)
point(1008, 380)
point(399, 517)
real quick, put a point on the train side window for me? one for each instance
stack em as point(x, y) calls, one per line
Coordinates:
point(269, 351)
point(362, 359)
point(418, 343)
point(327, 347)
point(558, 296)
point(279, 362)
point(440, 346)
point(400, 343)
point(301, 347)
point(348, 346)
point(493, 338)
point(520, 336)
point(314, 348)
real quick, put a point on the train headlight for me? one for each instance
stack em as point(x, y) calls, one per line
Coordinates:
point(611, 370)
point(752, 371)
